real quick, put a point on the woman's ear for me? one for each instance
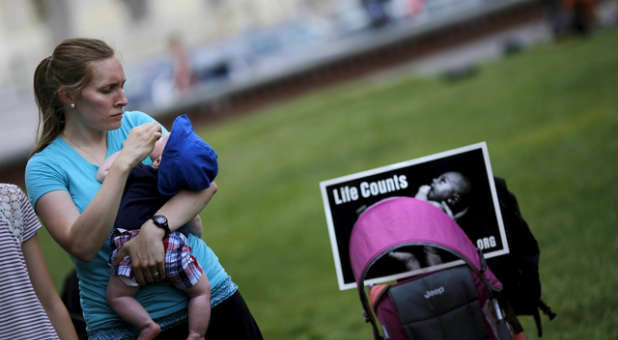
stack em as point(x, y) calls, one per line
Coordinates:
point(66, 96)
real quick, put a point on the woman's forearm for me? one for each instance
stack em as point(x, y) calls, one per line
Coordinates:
point(183, 207)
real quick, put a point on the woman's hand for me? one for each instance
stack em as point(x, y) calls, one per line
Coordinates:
point(146, 253)
point(139, 144)
point(146, 249)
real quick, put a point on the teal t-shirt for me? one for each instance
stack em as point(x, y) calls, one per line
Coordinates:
point(60, 167)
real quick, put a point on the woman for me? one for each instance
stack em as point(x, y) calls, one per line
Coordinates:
point(31, 307)
point(79, 92)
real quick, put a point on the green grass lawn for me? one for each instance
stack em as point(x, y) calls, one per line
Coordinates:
point(549, 117)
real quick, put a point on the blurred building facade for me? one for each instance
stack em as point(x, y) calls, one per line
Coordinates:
point(139, 30)
point(29, 29)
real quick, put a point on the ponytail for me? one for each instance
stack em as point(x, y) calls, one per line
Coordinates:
point(51, 109)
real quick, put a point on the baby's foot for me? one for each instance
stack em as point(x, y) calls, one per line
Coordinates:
point(150, 332)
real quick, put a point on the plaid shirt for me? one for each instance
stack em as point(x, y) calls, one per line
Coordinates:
point(181, 268)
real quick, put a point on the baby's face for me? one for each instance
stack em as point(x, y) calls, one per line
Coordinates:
point(157, 151)
point(443, 187)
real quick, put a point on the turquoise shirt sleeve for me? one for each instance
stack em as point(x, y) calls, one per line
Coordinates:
point(42, 177)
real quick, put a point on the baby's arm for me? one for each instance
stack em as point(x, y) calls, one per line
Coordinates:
point(423, 190)
point(104, 168)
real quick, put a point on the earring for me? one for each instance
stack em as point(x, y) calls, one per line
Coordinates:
point(73, 106)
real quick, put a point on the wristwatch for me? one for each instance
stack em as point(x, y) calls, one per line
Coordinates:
point(161, 222)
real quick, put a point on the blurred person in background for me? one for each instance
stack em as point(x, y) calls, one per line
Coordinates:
point(568, 17)
point(80, 96)
point(31, 306)
point(167, 87)
point(582, 14)
point(377, 12)
point(183, 73)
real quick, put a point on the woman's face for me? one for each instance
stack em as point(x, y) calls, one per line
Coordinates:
point(101, 102)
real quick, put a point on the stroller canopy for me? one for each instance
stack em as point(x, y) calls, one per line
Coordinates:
point(398, 221)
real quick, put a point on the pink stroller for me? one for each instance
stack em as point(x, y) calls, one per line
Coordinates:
point(455, 302)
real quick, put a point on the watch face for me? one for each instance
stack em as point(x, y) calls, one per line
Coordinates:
point(160, 220)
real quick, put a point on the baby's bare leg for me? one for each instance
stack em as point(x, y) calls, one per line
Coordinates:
point(122, 299)
point(199, 308)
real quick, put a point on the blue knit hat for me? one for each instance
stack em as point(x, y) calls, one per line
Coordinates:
point(188, 162)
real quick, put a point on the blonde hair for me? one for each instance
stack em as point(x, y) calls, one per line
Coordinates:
point(66, 67)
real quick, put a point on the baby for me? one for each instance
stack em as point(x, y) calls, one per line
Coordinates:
point(140, 201)
point(447, 192)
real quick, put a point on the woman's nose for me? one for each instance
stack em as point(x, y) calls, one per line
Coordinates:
point(122, 100)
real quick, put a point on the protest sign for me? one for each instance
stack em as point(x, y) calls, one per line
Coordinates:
point(473, 205)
